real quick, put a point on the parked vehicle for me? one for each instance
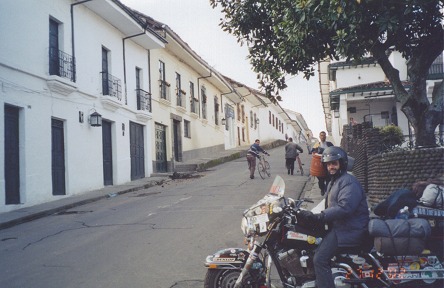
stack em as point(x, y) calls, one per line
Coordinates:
point(276, 239)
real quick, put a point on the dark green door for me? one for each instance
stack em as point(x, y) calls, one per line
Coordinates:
point(137, 149)
point(107, 153)
point(58, 158)
point(12, 155)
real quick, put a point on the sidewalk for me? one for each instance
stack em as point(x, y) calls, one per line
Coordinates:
point(19, 216)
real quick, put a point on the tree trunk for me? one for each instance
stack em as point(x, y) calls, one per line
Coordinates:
point(425, 135)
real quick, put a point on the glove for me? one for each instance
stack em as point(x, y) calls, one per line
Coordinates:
point(308, 216)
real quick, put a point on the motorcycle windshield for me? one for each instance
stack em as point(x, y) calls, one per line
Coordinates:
point(263, 206)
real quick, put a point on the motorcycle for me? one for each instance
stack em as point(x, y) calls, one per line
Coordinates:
point(275, 238)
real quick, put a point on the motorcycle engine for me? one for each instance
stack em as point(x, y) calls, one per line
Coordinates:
point(290, 260)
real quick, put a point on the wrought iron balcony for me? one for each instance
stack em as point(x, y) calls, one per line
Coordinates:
point(180, 98)
point(194, 105)
point(164, 88)
point(62, 64)
point(436, 70)
point(111, 86)
point(143, 100)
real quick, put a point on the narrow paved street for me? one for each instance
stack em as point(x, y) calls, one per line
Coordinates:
point(157, 237)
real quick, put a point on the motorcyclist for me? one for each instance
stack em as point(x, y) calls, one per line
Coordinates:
point(346, 213)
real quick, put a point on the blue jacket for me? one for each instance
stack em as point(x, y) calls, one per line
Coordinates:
point(255, 149)
point(347, 211)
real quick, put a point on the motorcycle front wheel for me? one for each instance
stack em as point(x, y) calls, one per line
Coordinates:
point(220, 278)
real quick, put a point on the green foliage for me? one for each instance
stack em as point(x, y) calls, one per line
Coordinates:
point(292, 36)
point(391, 135)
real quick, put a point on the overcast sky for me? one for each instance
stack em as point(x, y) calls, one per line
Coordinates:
point(198, 25)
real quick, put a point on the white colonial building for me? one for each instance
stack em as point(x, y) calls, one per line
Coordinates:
point(362, 92)
point(94, 93)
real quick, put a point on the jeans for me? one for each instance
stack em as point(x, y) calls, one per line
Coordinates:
point(321, 260)
point(251, 164)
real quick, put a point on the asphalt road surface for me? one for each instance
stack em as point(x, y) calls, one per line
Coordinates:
point(156, 238)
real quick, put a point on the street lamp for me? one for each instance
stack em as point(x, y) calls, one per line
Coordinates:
point(95, 119)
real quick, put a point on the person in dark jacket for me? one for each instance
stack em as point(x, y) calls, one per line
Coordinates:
point(346, 214)
point(291, 153)
point(318, 148)
point(252, 154)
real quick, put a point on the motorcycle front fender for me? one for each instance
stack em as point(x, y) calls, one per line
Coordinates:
point(229, 258)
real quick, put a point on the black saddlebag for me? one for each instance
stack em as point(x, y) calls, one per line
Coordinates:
point(395, 237)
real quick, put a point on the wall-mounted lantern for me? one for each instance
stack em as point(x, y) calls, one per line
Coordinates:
point(336, 112)
point(224, 121)
point(257, 121)
point(95, 119)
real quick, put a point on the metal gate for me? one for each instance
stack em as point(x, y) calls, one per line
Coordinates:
point(137, 149)
point(12, 156)
point(161, 155)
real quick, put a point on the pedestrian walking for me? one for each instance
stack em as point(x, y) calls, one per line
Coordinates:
point(318, 148)
point(291, 153)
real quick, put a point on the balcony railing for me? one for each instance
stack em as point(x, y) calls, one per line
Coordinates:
point(180, 98)
point(436, 70)
point(194, 105)
point(62, 64)
point(143, 100)
point(164, 90)
point(408, 142)
point(111, 85)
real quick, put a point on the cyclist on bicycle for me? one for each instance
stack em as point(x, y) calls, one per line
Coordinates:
point(252, 154)
point(291, 154)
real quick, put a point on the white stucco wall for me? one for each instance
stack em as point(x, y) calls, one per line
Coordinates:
point(24, 80)
point(358, 75)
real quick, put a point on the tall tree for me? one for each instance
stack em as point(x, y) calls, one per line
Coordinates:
point(290, 36)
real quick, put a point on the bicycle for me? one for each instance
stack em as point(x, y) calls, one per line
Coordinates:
point(263, 167)
point(298, 159)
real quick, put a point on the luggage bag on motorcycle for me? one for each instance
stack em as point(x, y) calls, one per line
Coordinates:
point(395, 237)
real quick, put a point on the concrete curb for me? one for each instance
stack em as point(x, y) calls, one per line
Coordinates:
point(75, 203)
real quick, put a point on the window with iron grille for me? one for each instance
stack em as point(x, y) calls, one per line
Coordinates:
point(60, 63)
point(216, 110)
point(243, 113)
point(194, 103)
point(179, 92)
point(186, 128)
point(111, 85)
point(163, 84)
point(203, 91)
